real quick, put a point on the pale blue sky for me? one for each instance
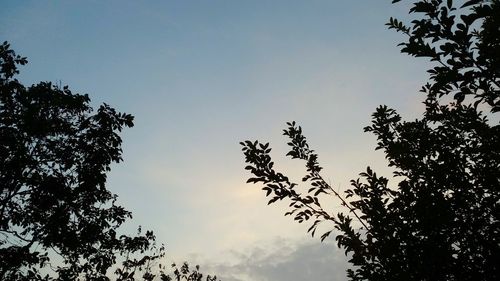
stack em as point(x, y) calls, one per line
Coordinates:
point(200, 76)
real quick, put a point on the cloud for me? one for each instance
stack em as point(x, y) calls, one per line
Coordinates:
point(283, 260)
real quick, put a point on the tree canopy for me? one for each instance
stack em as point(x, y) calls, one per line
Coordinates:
point(58, 221)
point(441, 220)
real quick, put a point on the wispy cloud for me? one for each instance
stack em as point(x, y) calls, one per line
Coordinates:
point(282, 260)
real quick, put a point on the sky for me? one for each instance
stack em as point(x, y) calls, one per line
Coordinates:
point(201, 76)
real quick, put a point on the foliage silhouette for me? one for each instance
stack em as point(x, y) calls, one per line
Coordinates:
point(441, 221)
point(57, 219)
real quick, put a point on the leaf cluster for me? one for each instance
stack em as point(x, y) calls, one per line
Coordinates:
point(463, 42)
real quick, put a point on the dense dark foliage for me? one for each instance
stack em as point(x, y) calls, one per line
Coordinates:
point(54, 156)
point(441, 220)
point(58, 221)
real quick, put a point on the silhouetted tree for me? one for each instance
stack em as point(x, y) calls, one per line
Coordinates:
point(185, 273)
point(58, 221)
point(442, 219)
